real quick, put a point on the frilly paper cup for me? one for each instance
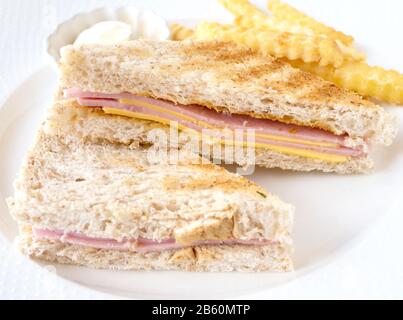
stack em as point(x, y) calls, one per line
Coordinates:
point(145, 23)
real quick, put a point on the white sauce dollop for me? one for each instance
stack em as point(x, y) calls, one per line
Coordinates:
point(106, 32)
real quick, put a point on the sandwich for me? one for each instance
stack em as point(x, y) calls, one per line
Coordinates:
point(119, 93)
point(113, 206)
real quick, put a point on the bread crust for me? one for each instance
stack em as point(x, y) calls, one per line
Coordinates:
point(225, 76)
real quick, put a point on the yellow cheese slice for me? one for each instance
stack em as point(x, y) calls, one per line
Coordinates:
point(132, 102)
point(204, 124)
point(286, 150)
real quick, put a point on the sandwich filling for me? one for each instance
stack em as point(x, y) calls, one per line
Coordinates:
point(140, 245)
point(274, 135)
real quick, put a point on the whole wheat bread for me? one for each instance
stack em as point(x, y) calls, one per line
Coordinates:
point(226, 77)
point(114, 191)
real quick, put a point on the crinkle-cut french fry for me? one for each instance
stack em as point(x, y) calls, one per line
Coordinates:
point(325, 72)
point(283, 11)
point(350, 53)
point(179, 32)
point(279, 44)
point(376, 82)
point(247, 15)
point(243, 8)
point(283, 26)
point(385, 85)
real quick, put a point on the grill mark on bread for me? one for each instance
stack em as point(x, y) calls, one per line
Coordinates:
point(208, 181)
point(331, 91)
point(204, 79)
point(204, 55)
point(257, 71)
point(141, 52)
point(227, 53)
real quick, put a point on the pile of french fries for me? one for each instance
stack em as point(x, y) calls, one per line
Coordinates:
point(303, 42)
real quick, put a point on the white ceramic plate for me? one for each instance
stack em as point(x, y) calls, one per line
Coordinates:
point(332, 211)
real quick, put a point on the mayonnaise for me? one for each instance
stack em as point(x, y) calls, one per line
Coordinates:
point(106, 32)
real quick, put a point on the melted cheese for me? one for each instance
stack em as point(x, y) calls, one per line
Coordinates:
point(131, 102)
point(287, 150)
point(181, 116)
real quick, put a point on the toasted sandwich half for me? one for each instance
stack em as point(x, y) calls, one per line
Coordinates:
point(299, 121)
point(107, 205)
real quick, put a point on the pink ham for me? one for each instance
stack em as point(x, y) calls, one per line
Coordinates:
point(218, 119)
point(75, 238)
point(222, 120)
point(141, 245)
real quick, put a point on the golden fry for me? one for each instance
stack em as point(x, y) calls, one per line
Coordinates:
point(325, 72)
point(247, 15)
point(179, 32)
point(243, 8)
point(283, 26)
point(279, 44)
point(376, 82)
point(350, 53)
point(285, 12)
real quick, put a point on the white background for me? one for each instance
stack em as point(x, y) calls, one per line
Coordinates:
point(373, 268)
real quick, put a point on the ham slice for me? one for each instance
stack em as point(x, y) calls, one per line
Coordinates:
point(197, 118)
point(140, 245)
point(75, 238)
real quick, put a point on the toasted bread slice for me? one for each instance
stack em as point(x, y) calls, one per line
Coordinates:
point(112, 191)
point(225, 77)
